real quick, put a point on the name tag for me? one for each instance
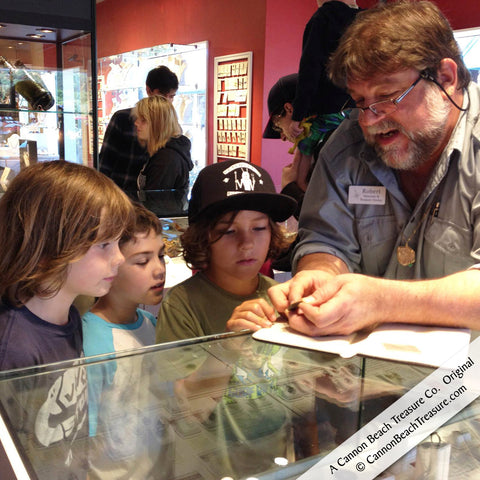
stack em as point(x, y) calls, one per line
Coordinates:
point(366, 195)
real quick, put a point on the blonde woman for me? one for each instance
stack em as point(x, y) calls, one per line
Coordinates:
point(169, 160)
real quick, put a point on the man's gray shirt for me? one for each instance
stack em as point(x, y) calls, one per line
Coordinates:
point(366, 234)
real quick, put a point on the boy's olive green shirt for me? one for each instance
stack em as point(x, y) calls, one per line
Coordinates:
point(197, 307)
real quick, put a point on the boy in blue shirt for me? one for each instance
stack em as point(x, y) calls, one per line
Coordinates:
point(130, 442)
point(115, 322)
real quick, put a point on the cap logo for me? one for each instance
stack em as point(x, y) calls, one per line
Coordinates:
point(241, 177)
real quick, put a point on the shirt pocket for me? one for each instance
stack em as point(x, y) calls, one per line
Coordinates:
point(377, 237)
point(447, 249)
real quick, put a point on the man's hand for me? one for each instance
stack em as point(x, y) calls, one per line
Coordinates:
point(302, 285)
point(330, 304)
point(341, 305)
point(293, 130)
point(290, 173)
point(252, 315)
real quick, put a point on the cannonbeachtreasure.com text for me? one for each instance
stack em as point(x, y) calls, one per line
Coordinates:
point(406, 423)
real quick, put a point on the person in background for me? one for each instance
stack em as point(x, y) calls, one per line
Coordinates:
point(296, 175)
point(169, 160)
point(125, 446)
point(304, 108)
point(390, 226)
point(316, 94)
point(232, 229)
point(53, 251)
point(122, 157)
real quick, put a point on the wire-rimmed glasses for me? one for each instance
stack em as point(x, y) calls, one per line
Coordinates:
point(383, 107)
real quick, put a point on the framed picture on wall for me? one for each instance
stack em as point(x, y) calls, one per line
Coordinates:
point(232, 106)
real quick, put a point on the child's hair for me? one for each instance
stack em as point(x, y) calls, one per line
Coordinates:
point(161, 118)
point(51, 214)
point(199, 236)
point(145, 222)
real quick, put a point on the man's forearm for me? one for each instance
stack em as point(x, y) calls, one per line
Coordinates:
point(450, 301)
point(324, 262)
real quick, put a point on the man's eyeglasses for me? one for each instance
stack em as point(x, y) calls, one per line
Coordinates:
point(275, 119)
point(384, 107)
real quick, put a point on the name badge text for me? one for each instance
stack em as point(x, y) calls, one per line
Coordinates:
point(366, 195)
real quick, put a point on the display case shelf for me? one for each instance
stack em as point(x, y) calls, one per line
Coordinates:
point(56, 53)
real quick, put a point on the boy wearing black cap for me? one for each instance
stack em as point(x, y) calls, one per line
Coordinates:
point(232, 231)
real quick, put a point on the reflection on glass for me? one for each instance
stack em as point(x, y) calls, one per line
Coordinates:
point(129, 435)
point(210, 408)
point(165, 203)
point(45, 109)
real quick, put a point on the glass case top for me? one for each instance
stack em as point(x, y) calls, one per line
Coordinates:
point(219, 407)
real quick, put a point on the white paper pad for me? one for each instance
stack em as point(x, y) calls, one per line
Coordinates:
point(422, 345)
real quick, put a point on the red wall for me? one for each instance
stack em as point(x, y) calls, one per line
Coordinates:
point(229, 26)
point(461, 14)
point(283, 46)
point(272, 29)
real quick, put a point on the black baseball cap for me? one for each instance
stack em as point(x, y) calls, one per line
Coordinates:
point(281, 93)
point(237, 185)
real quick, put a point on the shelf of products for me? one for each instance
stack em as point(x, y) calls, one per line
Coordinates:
point(45, 98)
point(233, 92)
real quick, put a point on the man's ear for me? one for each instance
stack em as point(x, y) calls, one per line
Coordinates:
point(288, 107)
point(149, 90)
point(447, 75)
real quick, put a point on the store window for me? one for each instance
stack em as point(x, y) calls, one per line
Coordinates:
point(469, 43)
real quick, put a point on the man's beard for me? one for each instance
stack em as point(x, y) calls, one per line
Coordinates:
point(422, 143)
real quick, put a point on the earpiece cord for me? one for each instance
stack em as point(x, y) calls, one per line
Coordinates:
point(427, 76)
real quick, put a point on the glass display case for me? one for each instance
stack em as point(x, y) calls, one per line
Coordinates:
point(45, 97)
point(219, 407)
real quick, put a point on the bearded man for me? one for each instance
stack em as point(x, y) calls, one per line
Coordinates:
point(395, 194)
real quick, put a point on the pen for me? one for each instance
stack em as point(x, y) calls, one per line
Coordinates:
point(435, 210)
point(294, 306)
